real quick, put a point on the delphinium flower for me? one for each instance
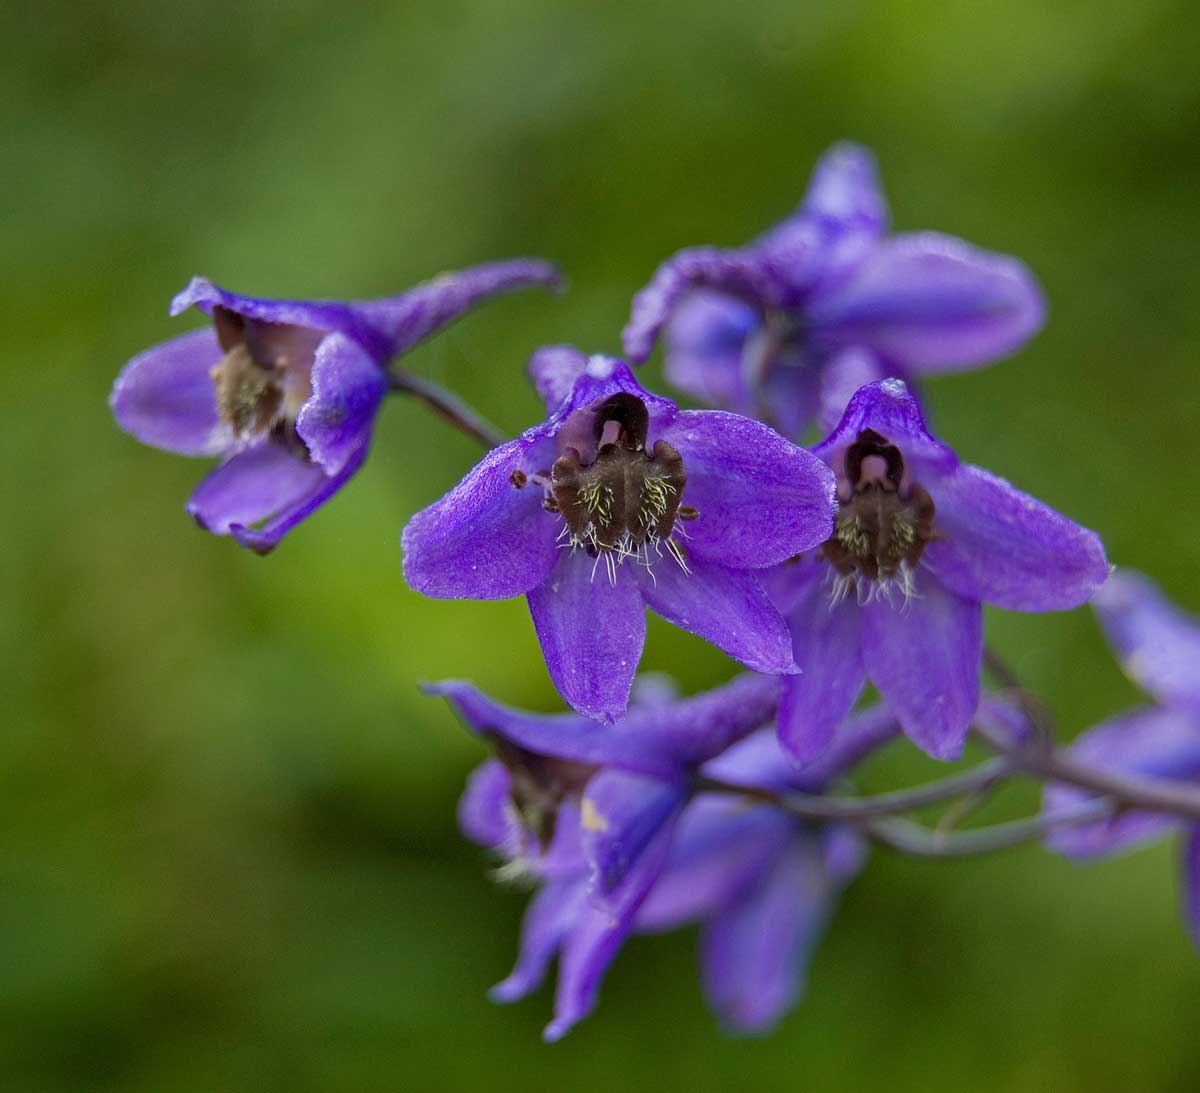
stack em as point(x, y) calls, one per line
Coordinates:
point(921, 542)
point(788, 327)
point(604, 821)
point(286, 391)
point(1159, 647)
point(618, 502)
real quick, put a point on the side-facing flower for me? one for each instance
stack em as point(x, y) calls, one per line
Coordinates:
point(920, 542)
point(788, 327)
point(286, 391)
point(631, 850)
point(618, 502)
point(1159, 647)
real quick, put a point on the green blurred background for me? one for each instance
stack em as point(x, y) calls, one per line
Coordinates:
point(228, 854)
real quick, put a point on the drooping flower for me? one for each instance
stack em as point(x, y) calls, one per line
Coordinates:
point(1159, 647)
point(630, 849)
point(921, 541)
point(286, 391)
point(618, 502)
point(788, 327)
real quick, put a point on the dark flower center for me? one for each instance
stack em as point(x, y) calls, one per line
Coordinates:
point(538, 785)
point(882, 526)
point(264, 377)
point(625, 501)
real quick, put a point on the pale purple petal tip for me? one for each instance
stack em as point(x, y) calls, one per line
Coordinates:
point(845, 190)
point(165, 396)
point(348, 386)
point(483, 806)
point(554, 369)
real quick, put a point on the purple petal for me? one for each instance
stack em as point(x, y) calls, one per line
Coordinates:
point(924, 657)
point(1155, 743)
point(1191, 885)
point(552, 913)
point(252, 486)
point(1158, 644)
point(592, 632)
point(826, 645)
point(999, 545)
point(323, 315)
point(658, 740)
point(889, 408)
point(706, 338)
point(623, 816)
point(727, 607)
point(754, 956)
point(486, 539)
point(844, 190)
point(554, 370)
point(930, 302)
point(841, 376)
point(483, 807)
point(594, 942)
point(791, 392)
point(735, 273)
point(761, 499)
point(404, 320)
point(165, 396)
point(720, 849)
point(265, 538)
point(348, 386)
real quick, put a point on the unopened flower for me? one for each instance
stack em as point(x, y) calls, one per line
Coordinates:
point(618, 502)
point(1159, 646)
point(788, 327)
point(286, 391)
point(632, 850)
point(920, 542)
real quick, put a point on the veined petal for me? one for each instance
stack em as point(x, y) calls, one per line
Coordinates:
point(999, 545)
point(266, 536)
point(348, 385)
point(888, 407)
point(844, 191)
point(924, 657)
point(487, 538)
point(720, 849)
point(1191, 885)
point(165, 396)
point(554, 911)
point(1155, 742)
point(592, 631)
point(252, 486)
point(755, 954)
point(483, 807)
point(735, 273)
point(409, 318)
point(930, 302)
point(1158, 644)
point(826, 646)
point(760, 498)
point(623, 816)
point(727, 607)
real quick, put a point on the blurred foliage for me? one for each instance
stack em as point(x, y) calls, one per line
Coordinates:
point(229, 858)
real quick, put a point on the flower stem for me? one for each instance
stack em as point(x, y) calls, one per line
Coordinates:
point(447, 405)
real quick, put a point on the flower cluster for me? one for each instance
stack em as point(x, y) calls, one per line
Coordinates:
point(867, 556)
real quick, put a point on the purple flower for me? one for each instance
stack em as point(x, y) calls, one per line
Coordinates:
point(788, 327)
point(286, 391)
point(921, 541)
point(620, 502)
point(631, 850)
point(1159, 646)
